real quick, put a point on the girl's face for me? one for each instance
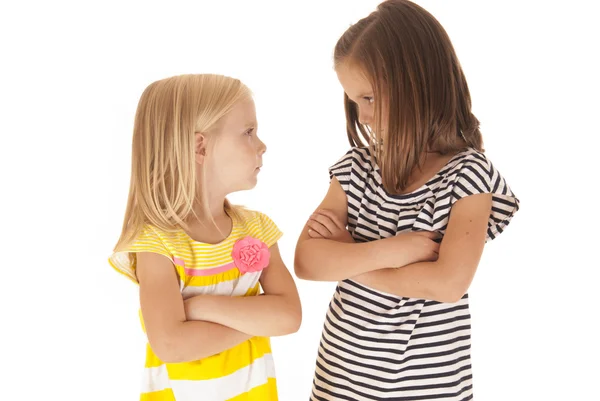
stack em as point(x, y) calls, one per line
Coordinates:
point(232, 164)
point(359, 90)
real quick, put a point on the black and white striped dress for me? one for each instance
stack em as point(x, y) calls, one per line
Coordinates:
point(377, 346)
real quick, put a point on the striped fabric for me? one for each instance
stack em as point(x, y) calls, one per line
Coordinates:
point(244, 372)
point(377, 346)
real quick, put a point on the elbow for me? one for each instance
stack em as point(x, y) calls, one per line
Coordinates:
point(293, 319)
point(292, 324)
point(453, 281)
point(165, 351)
point(300, 269)
point(451, 295)
point(296, 319)
point(453, 290)
point(167, 348)
point(303, 263)
point(303, 272)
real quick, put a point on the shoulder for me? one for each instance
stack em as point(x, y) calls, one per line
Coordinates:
point(471, 172)
point(355, 164)
point(150, 239)
point(355, 156)
point(259, 225)
point(469, 160)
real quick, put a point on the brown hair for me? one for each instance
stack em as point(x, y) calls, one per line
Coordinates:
point(413, 69)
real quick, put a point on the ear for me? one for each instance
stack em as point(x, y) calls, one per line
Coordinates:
point(200, 147)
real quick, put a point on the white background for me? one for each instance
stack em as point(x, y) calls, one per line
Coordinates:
point(71, 76)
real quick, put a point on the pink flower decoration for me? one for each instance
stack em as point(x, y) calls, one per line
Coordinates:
point(250, 255)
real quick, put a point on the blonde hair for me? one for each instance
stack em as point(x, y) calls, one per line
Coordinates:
point(164, 185)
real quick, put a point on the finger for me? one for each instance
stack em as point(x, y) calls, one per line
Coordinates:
point(319, 228)
point(325, 221)
point(313, 234)
point(333, 217)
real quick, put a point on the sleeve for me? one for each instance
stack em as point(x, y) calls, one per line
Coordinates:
point(475, 175)
point(148, 240)
point(342, 170)
point(478, 176)
point(353, 169)
point(270, 233)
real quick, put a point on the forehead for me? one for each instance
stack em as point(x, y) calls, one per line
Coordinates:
point(241, 115)
point(354, 81)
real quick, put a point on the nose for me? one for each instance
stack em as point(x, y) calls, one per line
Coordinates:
point(365, 118)
point(262, 148)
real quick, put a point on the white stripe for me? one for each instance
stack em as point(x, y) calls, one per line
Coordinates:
point(227, 387)
point(235, 288)
point(155, 379)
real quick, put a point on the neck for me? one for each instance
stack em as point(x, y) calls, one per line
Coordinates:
point(215, 208)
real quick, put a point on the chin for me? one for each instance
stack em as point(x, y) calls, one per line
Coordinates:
point(250, 184)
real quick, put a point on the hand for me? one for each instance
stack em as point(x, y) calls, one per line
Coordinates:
point(418, 246)
point(325, 224)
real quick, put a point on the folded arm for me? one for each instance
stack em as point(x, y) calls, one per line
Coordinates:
point(334, 256)
point(172, 338)
point(448, 278)
point(276, 312)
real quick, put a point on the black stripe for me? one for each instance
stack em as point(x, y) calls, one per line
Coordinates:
point(356, 361)
point(449, 309)
point(376, 340)
point(439, 323)
point(413, 347)
point(365, 318)
point(408, 398)
point(483, 181)
point(337, 396)
point(397, 380)
point(463, 189)
point(505, 201)
point(366, 329)
point(372, 302)
point(384, 296)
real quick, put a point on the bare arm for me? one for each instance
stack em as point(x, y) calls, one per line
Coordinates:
point(322, 259)
point(448, 278)
point(275, 313)
point(171, 337)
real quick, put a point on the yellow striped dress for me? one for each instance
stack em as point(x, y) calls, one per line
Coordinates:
point(244, 372)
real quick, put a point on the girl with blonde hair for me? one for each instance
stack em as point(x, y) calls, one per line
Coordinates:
point(200, 262)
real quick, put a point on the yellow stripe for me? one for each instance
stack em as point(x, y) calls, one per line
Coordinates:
point(253, 291)
point(221, 364)
point(266, 392)
point(163, 395)
point(152, 360)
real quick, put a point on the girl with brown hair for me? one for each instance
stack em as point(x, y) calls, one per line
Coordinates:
point(404, 223)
